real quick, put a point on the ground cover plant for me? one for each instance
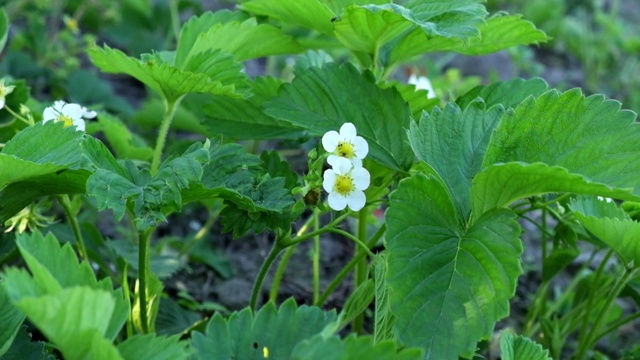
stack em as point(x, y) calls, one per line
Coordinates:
point(296, 120)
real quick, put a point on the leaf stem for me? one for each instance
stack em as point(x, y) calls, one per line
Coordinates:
point(73, 222)
point(170, 109)
point(127, 297)
point(143, 269)
point(264, 269)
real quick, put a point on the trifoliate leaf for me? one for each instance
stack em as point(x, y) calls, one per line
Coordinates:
point(453, 142)
point(245, 335)
point(323, 99)
point(587, 136)
point(213, 72)
point(150, 198)
point(447, 285)
point(244, 40)
point(515, 347)
point(610, 224)
point(509, 93)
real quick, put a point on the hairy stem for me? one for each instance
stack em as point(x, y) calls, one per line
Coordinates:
point(170, 109)
point(73, 221)
point(264, 269)
point(143, 273)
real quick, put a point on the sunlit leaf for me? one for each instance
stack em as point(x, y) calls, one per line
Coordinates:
point(448, 286)
point(245, 335)
point(308, 14)
point(213, 72)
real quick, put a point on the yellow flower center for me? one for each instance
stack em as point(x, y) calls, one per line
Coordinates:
point(346, 150)
point(344, 185)
point(64, 118)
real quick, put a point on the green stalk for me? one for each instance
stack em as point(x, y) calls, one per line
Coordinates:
point(170, 109)
point(591, 338)
point(316, 257)
point(73, 221)
point(143, 271)
point(277, 277)
point(127, 298)
point(264, 269)
point(361, 267)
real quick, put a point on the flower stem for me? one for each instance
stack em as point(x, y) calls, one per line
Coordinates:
point(316, 257)
point(277, 277)
point(18, 116)
point(73, 222)
point(143, 270)
point(361, 267)
point(170, 109)
point(264, 269)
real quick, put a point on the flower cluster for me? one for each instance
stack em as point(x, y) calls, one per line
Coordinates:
point(347, 179)
point(69, 113)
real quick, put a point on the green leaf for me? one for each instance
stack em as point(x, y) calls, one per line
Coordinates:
point(150, 198)
point(384, 319)
point(152, 347)
point(75, 319)
point(610, 224)
point(173, 319)
point(55, 267)
point(245, 118)
point(508, 93)
point(448, 286)
point(322, 99)
point(453, 142)
point(588, 136)
point(4, 28)
point(357, 302)
point(309, 14)
point(501, 184)
point(10, 318)
point(245, 40)
point(23, 348)
point(521, 348)
point(417, 99)
point(245, 335)
point(213, 72)
point(38, 150)
point(352, 347)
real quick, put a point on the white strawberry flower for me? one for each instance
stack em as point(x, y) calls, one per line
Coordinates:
point(345, 144)
point(69, 113)
point(345, 184)
point(422, 83)
point(4, 91)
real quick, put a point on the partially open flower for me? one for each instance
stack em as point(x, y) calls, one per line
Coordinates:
point(345, 184)
point(4, 91)
point(345, 145)
point(69, 113)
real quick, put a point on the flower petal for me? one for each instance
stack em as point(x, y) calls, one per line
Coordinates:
point(2, 101)
point(329, 180)
point(331, 159)
point(361, 147)
point(342, 166)
point(88, 114)
point(73, 111)
point(337, 201)
point(58, 105)
point(49, 114)
point(348, 131)
point(361, 178)
point(79, 123)
point(357, 163)
point(356, 200)
point(330, 140)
